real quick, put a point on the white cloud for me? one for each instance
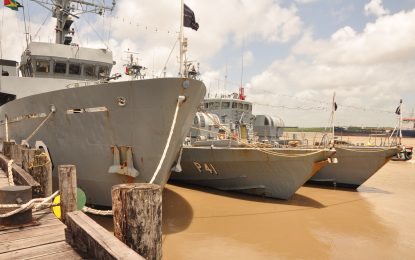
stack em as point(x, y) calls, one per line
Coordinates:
point(305, 1)
point(371, 69)
point(375, 7)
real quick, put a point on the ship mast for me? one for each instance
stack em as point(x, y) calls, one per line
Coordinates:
point(181, 38)
point(61, 8)
point(62, 12)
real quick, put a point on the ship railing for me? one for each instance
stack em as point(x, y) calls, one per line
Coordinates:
point(86, 83)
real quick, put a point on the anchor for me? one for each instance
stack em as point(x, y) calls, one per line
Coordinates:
point(127, 167)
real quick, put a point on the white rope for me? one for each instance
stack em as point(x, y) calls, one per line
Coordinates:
point(97, 212)
point(40, 125)
point(178, 167)
point(10, 173)
point(180, 99)
point(29, 205)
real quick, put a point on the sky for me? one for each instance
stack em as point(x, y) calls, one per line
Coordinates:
point(290, 56)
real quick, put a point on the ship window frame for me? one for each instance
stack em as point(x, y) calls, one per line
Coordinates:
point(202, 121)
point(246, 106)
point(93, 66)
point(43, 61)
point(196, 121)
point(60, 62)
point(74, 64)
point(206, 105)
point(240, 106)
point(234, 105)
point(225, 105)
point(105, 72)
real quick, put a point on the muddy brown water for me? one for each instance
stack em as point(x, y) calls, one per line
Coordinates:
point(375, 222)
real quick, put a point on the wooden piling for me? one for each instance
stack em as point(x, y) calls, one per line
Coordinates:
point(41, 171)
point(16, 153)
point(6, 148)
point(137, 217)
point(67, 189)
point(28, 156)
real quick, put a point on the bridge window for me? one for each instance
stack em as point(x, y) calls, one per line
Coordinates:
point(246, 106)
point(195, 121)
point(206, 105)
point(240, 105)
point(60, 67)
point(89, 70)
point(225, 105)
point(74, 69)
point(103, 71)
point(266, 121)
point(42, 66)
point(234, 105)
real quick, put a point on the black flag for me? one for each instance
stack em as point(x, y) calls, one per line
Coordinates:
point(398, 110)
point(335, 106)
point(189, 19)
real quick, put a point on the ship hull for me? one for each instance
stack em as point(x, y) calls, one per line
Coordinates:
point(408, 133)
point(138, 114)
point(249, 170)
point(355, 166)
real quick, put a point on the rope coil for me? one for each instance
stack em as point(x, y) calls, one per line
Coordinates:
point(10, 173)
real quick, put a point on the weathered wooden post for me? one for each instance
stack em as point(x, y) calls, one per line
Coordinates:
point(15, 195)
point(28, 156)
point(137, 217)
point(16, 153)
point(41, 171)
point(67, 189)
point(6, 148)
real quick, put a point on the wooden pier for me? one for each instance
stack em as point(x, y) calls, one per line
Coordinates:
point(39, 234)
point(44, 239)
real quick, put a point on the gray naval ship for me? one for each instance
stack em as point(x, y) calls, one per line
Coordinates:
point(114, 132)
point(223, 152)
point(355, 165)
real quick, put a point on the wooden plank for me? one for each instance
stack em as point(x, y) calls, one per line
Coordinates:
point(70, 254)
point(32, 241)
point(4, 179)
point(92, 240)
point(30, 233)
point(39, 251)
point(4, 230)
point(19, 174)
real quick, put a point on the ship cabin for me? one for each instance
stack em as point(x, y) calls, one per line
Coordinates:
point(230, 109)
point(204, 126)
point(268, 128)
point(50, 60)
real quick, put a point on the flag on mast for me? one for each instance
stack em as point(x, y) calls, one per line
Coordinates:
point(12, 4)
point(189, 18)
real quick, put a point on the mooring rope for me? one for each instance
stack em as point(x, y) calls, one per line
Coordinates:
point(269, 150)
point(28, 205)
point(97, 211)
point(180, 99)
point(10, 173)
point(39, 126)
